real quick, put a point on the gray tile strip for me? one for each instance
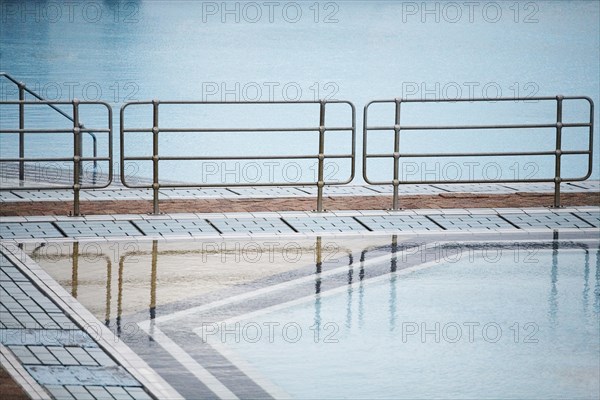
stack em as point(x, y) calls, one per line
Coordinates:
point(178, 226)
point(81, 375)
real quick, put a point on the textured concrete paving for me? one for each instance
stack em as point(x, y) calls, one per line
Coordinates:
point(121, 193)
point(375, 201)
point(295, 223)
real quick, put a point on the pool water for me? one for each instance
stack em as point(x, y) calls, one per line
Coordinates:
point(498, 327)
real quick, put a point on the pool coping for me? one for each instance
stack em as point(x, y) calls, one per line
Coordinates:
point(300, 224)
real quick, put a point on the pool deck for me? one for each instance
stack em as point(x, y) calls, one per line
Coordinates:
point(120, 200)
point(54, 348)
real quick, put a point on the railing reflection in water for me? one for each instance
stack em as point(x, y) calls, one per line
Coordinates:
point(355, 271)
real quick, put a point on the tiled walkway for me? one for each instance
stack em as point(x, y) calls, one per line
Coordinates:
point(121, 193)
point(177, 226)
point(53, 349)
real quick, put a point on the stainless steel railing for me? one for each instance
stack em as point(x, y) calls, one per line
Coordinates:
point(22, 88)
point(157, 129)
point(558, 125)
point(77, 159)
point(156, 157)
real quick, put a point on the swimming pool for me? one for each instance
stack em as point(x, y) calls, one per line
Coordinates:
point(495, 328)
point(377, 318)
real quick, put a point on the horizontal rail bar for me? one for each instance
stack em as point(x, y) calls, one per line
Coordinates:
point(467, 181)
point(72, 159)
point(83, 130)
point(491, 154)
point(217, 130)
point(221, 185)
point(249, 158)
point(48, 102)
point(58, 187)
point(464, 127)
point(480, 99)
point(198, 102)
point(575, 152)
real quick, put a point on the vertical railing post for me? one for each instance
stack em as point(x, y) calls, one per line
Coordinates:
point(321, 181)
point(155, 183)
point(396, 181)
point(558, 151)
point(76, 157)
point(21, 134)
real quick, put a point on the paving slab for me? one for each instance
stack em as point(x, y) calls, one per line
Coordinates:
point(81, 375)
point(549, 220)
point(122, 194)
point(201, 193)
point(325, 224)
point(172, 227)
point(78, 229)
point(10, 230)
point(475, 188)
point(42, 337)
point(407, 189)
point(269, 192)
point(469, 222)
point(341, 190)
point(6, 196)
point(399, 223)
point(590, 185)
point(251, 225)
point(591, 217)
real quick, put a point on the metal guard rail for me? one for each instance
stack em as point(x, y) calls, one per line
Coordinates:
point(24, 89)
point(558, 152)
point(77, 158)
point(155, 158)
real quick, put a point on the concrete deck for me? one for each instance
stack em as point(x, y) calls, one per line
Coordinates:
point(118, 200)
point(122, 193)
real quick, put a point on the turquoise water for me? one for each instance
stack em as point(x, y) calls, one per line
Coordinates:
point(510, 324)
point(359, 51)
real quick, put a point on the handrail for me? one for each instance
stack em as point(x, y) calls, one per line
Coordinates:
point(23, 88)
point(77, 158)
point(156, 157)
point(558, 125)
